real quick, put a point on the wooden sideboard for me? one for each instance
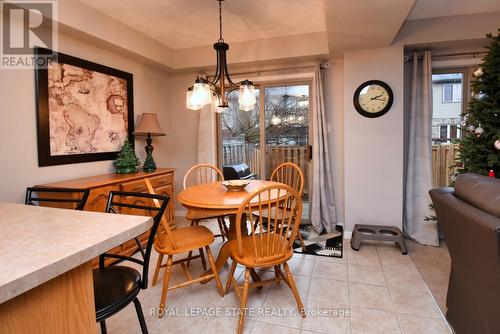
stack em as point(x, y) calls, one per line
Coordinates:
point(161, 179)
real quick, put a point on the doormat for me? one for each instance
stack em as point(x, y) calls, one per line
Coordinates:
point(323, 244)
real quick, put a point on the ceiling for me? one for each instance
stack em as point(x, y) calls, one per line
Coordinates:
point(192, 23)
point(424, 9)
point(180, 33)
point(364, 24)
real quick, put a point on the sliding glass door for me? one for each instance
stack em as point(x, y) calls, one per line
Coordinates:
point(276, 131)
point(239, 135)
point(286, 132)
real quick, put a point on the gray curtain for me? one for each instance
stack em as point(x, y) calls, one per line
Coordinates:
point(323, 215)
point(419, 155)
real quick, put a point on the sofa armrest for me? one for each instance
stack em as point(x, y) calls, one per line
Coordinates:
point(473, 239)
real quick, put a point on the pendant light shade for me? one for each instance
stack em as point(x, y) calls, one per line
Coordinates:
point(201, 93)
point(190, 101)
point(247, 98)
point(220, 84)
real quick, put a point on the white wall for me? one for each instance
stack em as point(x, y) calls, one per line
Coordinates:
point(373, 148)
point(19, 163)
point(182, 131)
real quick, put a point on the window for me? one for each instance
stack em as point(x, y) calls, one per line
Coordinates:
point(276, 131)
point(452, 93)
point(449, 100)
point(444, 132)
point(447, 104)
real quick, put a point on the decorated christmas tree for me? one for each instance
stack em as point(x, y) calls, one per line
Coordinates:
point(127, 161)
point(480, 146)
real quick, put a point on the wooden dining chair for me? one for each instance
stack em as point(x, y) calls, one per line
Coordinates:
point(200, 174)
point(181, 240)
point(116, 286)
point(290, 174)
point(60, 197)
point(268, 245)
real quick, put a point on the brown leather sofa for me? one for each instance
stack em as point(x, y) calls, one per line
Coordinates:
point(469, 216)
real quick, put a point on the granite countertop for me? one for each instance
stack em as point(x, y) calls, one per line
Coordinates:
point(39, 243)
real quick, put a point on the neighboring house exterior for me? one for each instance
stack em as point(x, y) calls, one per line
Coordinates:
point(447, 107)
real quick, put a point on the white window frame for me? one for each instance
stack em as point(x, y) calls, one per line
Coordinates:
point(454, 89)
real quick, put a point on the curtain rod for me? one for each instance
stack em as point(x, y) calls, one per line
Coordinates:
point(258, 72)
point(473, 54)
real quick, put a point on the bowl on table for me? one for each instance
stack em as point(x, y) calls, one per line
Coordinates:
point(235, 185)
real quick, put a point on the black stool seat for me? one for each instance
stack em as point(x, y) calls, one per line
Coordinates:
point(114, 288)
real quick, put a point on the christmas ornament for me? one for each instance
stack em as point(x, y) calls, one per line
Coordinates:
point(126, 161)
point(479, 72)
point(479, 131)
point(497, 144)
point(480, 96)
point(491, 173)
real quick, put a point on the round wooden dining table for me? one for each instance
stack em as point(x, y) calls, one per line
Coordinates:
point(213, 200)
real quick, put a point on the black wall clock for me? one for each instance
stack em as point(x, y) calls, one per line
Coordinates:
point(373, 98)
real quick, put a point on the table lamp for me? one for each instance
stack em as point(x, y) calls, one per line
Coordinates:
point(150, 127)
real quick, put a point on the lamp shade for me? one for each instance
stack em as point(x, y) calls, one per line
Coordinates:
point(149, 125)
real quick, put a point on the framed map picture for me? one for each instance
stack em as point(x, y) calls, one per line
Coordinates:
point(84, 110)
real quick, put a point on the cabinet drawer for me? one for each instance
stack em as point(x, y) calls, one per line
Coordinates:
point(138, 186)
point(161, 180)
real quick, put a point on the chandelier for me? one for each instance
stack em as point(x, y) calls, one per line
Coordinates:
point(205, 91)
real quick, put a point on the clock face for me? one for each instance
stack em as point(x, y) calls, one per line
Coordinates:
point(373, 98)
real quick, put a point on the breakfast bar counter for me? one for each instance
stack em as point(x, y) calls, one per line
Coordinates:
point(46, 281)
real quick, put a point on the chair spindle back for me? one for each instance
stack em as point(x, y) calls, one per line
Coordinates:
point(289, 174)
point(271, 238)
point(200, 174)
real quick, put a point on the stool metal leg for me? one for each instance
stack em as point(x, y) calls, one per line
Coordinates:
point(140, 315)
point(103, 327)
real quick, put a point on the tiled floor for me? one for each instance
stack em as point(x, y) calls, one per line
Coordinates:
point(434, 265)
point(375, 290)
